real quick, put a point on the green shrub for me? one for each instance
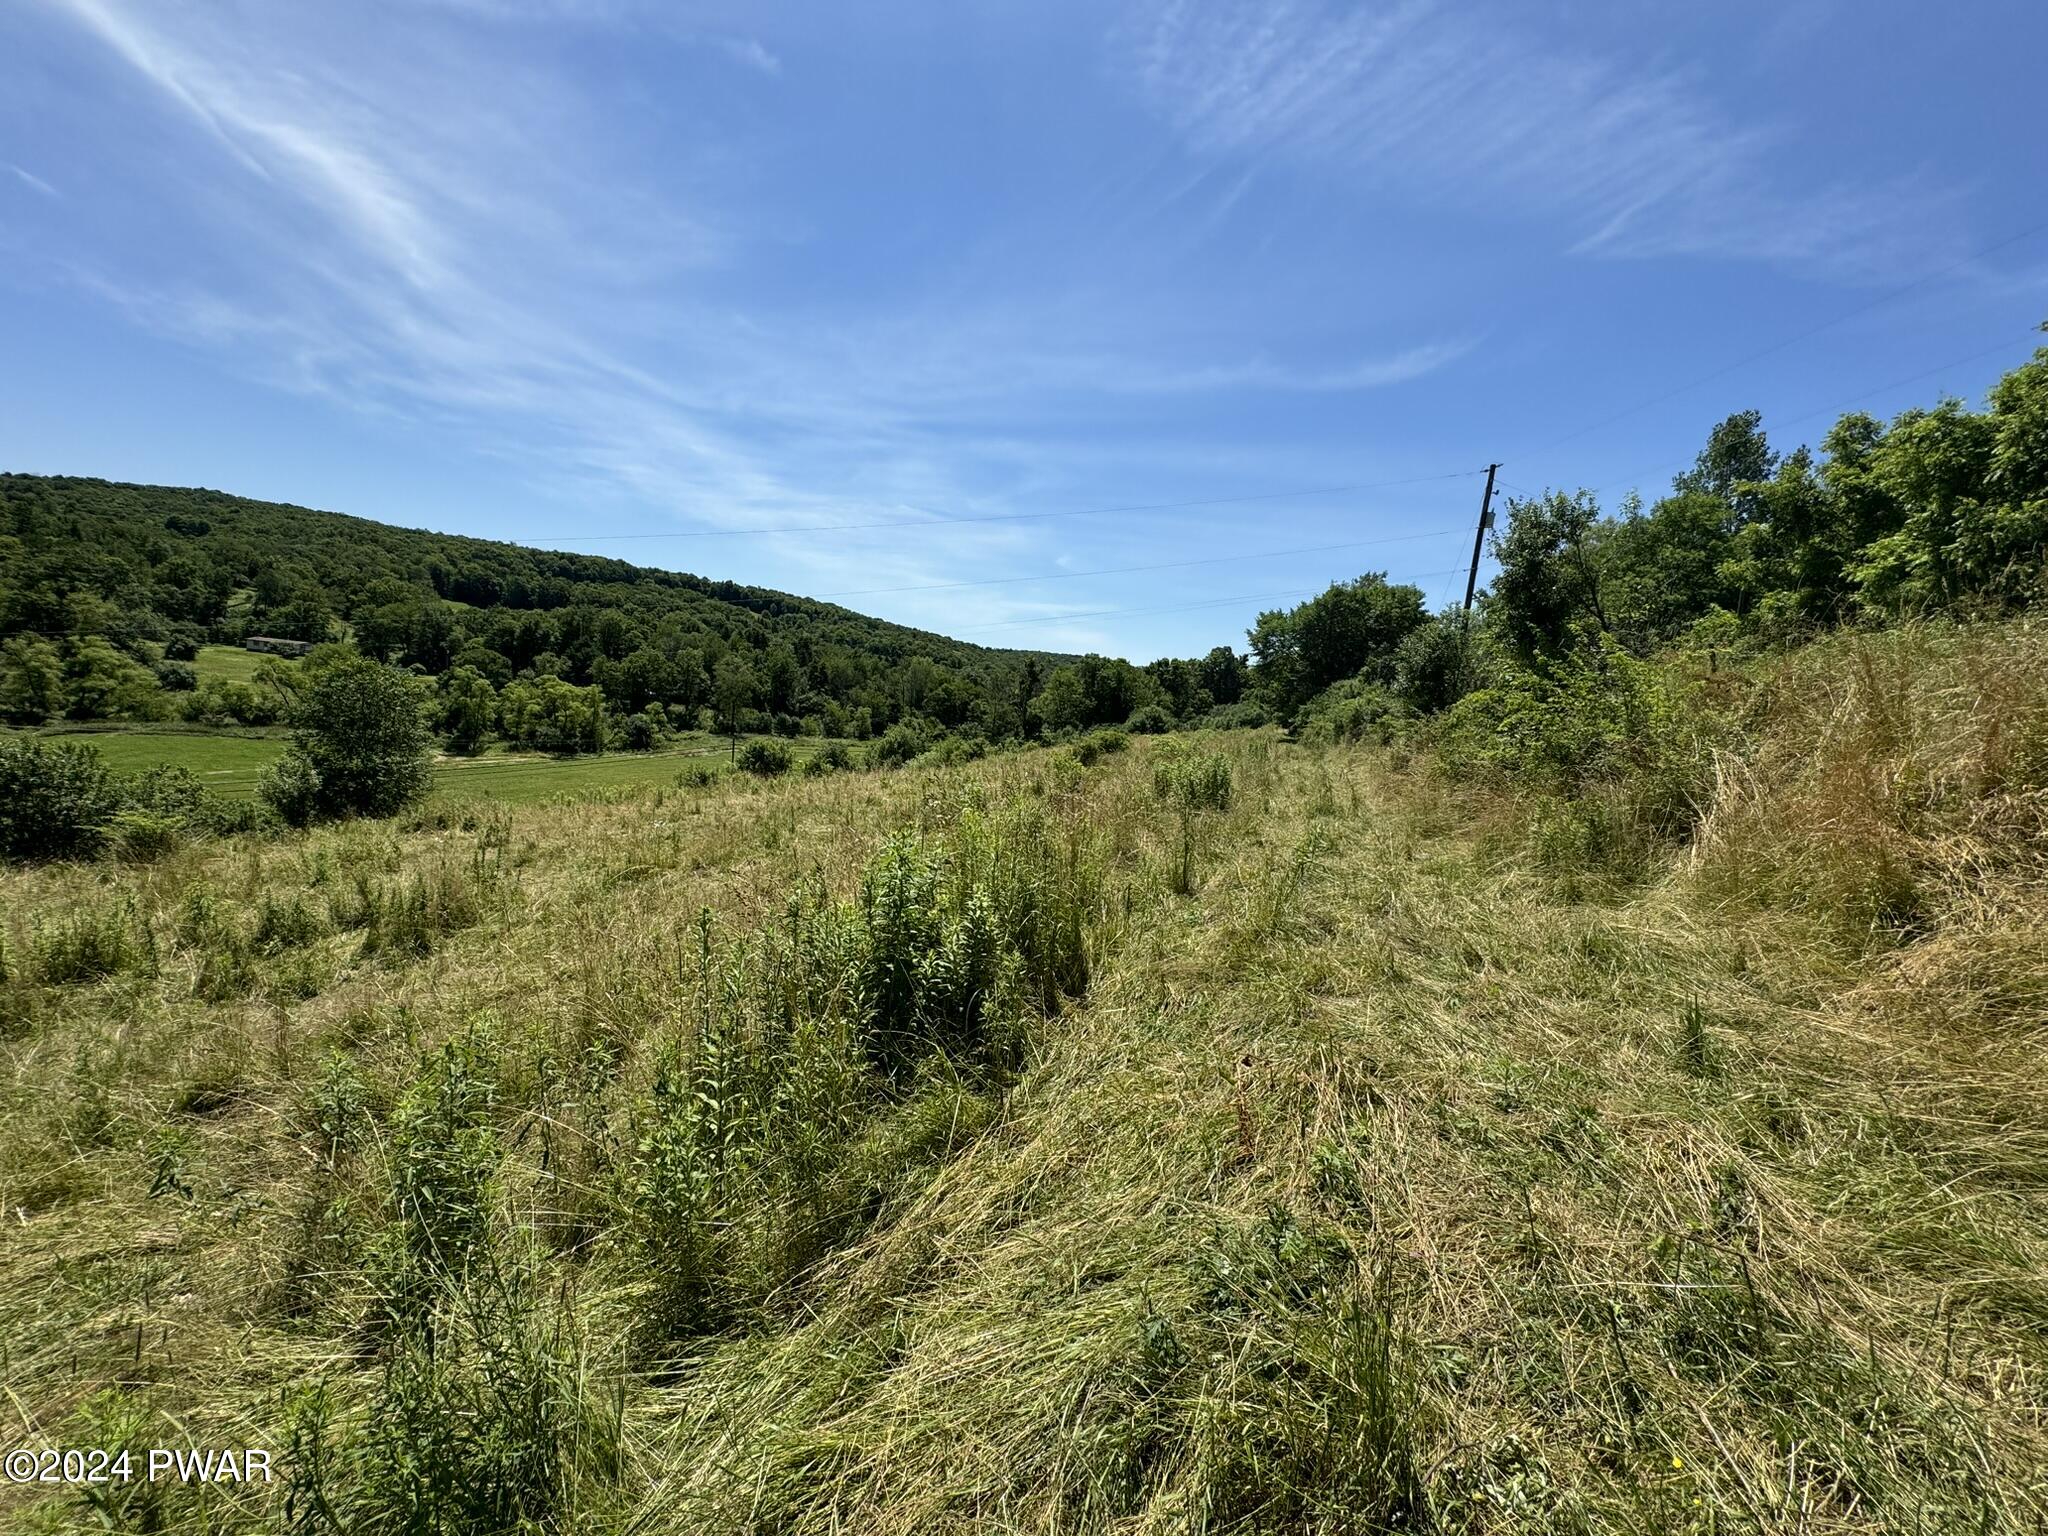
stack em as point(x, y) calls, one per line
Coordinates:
point(767, 759)
point(848, 1041)
point(897, 745)
point(645, 731)
point(291, 787)
point(55, 800)
point(1191, 782)
point(444, 1162)
point(408, 923)
point(834, 757)
point(166, 790)
point(696, 775)
point(1598, 717)
point(1244, 715)
point(176, 676)
point(1354, 711)
point(1099, 744)
point(957, 749)
point(1149, 720)
point(360, 746)
point(287, 924)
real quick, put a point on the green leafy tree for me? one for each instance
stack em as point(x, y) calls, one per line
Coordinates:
point(547, 714)
point(31, 680)
point(468, 708)
point(360, 736)
point(1659, 571)
point(1224, 675)
point(1736, 460)
point(1063, 703)
point(1433, 665)
point(102, 684)
point(1351, 630)
point(306, 615)
point(1549, 578)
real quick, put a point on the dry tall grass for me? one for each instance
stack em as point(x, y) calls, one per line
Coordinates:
point(1373, 1182)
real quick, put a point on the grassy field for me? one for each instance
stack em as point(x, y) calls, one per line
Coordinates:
point(517, 778)
point(232, 763)
point(228, 763)
point(1231, 1137)
point(233, 663)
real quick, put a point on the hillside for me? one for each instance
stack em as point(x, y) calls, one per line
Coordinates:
point(1229, 1135)
point(171, 569)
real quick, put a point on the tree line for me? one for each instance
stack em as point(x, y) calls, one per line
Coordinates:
point(1940, 511)
point(108, 591)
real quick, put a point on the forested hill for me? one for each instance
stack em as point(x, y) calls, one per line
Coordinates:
point(156, 566)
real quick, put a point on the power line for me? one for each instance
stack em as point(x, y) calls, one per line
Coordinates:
point(1216, 602)
point(1000, 517)
point(1790, 341)
point(1829, 410)
point(1127, 570)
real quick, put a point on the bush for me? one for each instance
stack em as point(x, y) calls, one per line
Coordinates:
point(1598, 719)
point(1244, 715)
point(696, 775)
point(92, 943)
point(1151, 720)
point(957, 749)
point(360, 746)
point(166, 790)
point(768, 759)
point(834, 758)
point(897, 746)
point(1353, 711)
point(55, 800)
point(1433, 665)
point(176, 676)
point(645, 731)
point(1103, 743)
point(291, 787)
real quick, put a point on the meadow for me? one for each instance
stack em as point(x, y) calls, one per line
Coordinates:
point(234, 663)
point(230, 761)
point(1220, 1134)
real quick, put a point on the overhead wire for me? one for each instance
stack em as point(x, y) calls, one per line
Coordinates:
point(1214, 602)
point(1828, 410)
point(1127, 570)
point(1790, 341)
point(939, 521)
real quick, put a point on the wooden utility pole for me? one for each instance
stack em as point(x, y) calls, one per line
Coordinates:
point(1479, 536)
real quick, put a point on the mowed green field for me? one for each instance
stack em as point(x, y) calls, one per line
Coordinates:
point(223, 762)
point(232, 764)
point(232, 664)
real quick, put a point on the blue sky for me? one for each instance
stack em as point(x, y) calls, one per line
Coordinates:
point(553, 270)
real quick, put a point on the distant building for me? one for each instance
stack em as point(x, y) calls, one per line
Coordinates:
point(276, 647)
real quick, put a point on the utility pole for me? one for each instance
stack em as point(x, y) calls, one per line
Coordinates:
point(1479, 537)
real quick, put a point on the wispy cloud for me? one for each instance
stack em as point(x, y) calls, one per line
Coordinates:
point(751, 52)
point(32, 180)
point(432, 280)
point(1467, 107)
